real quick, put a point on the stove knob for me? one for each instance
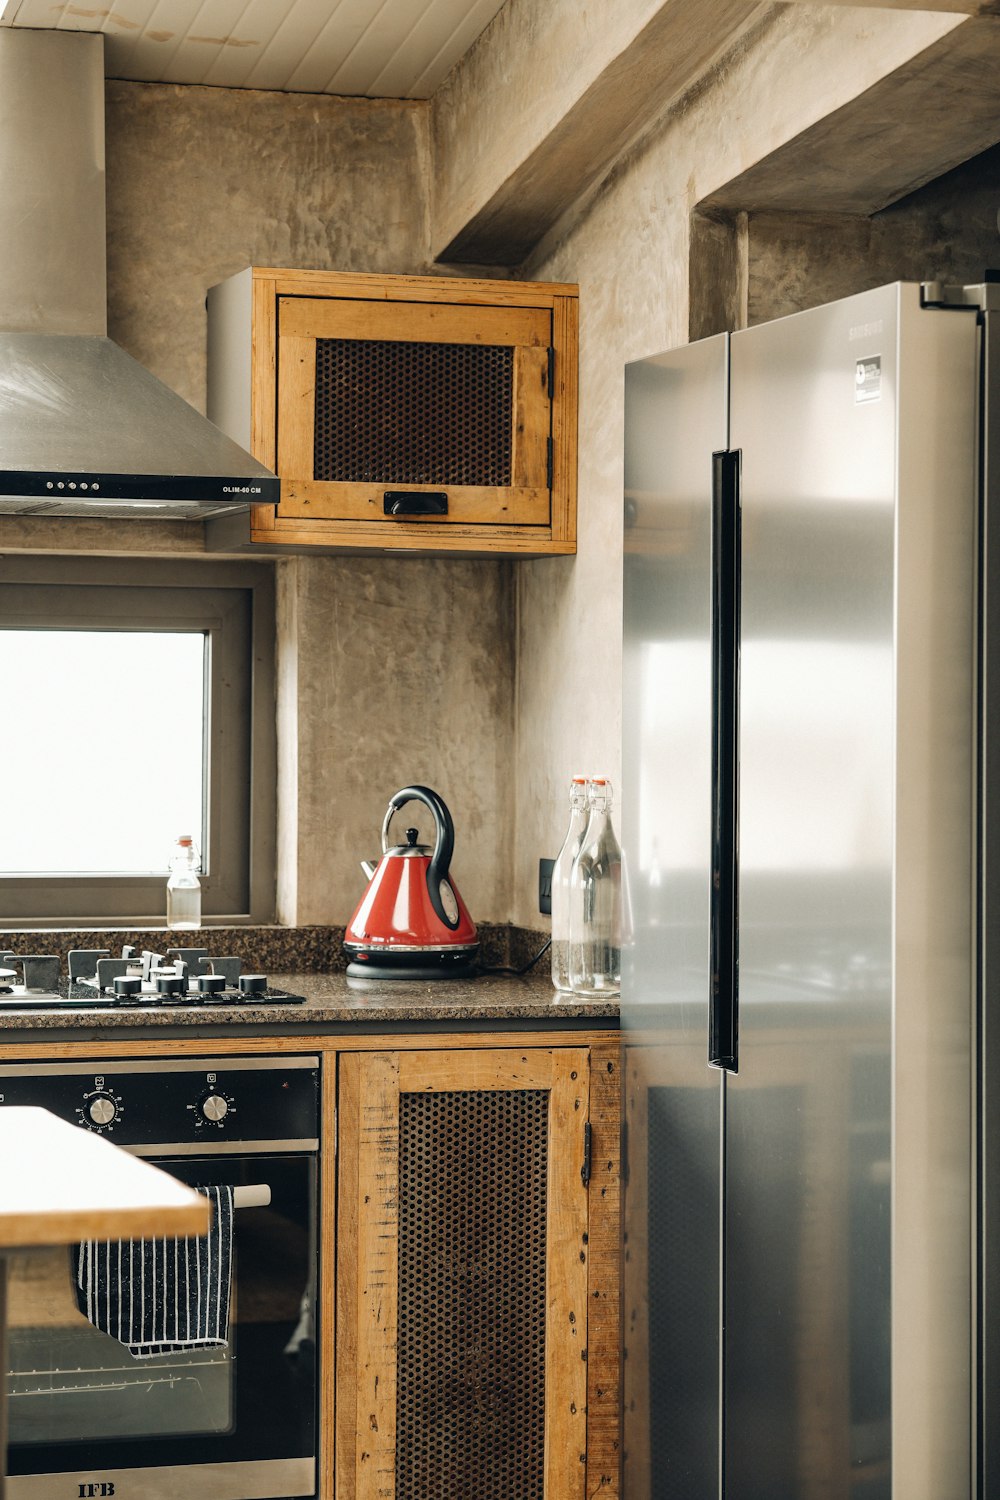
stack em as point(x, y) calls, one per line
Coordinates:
point(170, 984)
point(215, 1108)
point(211, 984)
point(253, 984)
point(126, 986)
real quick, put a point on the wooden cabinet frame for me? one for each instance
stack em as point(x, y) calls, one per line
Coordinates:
point(589, 1264)
point(368, 1226)
point(290, 310)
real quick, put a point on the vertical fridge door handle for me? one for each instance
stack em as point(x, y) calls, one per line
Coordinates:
point(723, 1026)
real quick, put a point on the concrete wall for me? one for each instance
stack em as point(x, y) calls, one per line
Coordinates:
point(202, 182)
point(402, 674)
point(390, 671)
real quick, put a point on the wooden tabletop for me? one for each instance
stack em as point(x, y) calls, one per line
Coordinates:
point(60, 1183)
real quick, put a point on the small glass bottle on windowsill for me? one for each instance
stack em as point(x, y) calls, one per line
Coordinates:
point(183, 886)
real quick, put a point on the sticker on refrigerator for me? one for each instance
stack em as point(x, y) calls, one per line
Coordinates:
point(868, 380)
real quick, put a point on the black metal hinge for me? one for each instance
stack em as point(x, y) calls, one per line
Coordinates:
point(551, 390)
point(585, 1169)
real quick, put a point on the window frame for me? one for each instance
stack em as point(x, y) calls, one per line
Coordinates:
point(234, 603)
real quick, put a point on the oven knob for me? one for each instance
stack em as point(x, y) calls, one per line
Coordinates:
point(100, 1110)
point(213, 1108)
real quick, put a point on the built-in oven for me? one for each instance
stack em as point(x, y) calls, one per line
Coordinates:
point(231, 1422)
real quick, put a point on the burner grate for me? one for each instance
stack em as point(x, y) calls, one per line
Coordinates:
point(186, 977)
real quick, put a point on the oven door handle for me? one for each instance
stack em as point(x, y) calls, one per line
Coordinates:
point(258, 1196)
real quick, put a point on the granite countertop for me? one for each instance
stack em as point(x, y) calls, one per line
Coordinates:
point(334, 1002)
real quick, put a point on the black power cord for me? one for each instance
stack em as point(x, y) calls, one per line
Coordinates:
point(525, 967)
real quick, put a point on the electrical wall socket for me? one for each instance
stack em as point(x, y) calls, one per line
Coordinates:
point(545, 868)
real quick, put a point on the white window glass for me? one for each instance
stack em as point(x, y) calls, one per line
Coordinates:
point(103, 756)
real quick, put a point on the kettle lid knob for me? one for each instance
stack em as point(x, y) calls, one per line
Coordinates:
point(411, 836)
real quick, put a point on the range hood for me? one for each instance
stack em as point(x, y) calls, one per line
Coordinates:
point(85, 430)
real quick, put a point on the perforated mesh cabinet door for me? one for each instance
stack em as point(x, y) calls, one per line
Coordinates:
point(414, 397)
point(394, 413)
point(462, 1279)
point(470, 1371)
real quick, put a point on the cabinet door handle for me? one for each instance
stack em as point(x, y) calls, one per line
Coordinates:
point(415, 503)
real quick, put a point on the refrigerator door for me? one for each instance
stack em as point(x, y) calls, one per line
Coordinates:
point(989, 1063)
point(847, 1244)
point(676, 416)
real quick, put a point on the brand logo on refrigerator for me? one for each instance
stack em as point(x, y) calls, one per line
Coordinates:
point(865, 330)
point(97, 1487)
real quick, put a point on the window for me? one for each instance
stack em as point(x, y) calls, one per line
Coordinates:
point(139, 705)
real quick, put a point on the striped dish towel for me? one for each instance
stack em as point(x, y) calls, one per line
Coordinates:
point(161, 1296)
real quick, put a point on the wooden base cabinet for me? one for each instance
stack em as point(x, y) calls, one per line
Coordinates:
point(470, 1248)
point(401, 413)
point(467, 1289)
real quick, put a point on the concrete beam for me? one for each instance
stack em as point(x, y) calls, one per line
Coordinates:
point(954, 7)
point(926, 115)
point(544, 104)
point(553, 95)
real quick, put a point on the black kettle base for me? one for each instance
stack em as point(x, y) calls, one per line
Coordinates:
point(436, 963)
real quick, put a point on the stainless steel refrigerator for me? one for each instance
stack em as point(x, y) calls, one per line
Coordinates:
point(809, 667)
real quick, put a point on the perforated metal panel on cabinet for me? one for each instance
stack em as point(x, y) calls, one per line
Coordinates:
point(395, 413)
point(462, 1276)
point(470, 1359)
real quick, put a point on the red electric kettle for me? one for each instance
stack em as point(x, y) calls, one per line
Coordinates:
point(411, 922)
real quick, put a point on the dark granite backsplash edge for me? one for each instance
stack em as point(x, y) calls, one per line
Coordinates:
point(278, 950)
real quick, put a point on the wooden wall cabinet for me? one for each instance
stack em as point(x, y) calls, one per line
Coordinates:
point(420, 413)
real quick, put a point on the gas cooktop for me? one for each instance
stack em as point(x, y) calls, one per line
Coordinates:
point(97, 981)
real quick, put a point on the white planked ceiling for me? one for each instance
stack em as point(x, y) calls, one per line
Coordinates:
point(386, 49)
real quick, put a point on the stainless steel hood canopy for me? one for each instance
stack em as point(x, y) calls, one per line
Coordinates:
point(84, 429)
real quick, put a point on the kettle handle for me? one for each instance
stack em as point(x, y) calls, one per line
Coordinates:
point(444, 843)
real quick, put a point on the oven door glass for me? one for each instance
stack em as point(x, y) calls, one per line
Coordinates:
point(80, 1402)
